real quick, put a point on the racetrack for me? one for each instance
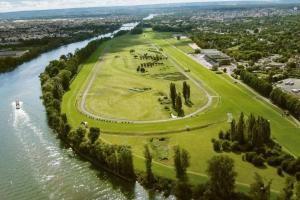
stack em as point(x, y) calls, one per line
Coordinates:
point(194, 133)
point(97, 70)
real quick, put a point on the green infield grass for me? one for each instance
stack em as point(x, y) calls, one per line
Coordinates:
point(111, 91)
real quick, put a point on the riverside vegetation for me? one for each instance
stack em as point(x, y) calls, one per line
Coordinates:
point(55, 81)
point(39, 46)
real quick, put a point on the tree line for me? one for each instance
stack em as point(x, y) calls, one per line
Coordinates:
point(55, 81)
point(38, 46)
point(253, 138)
point(136, 30)
point(280, 98)
point(286, 101)
point(221, 182)
point(260, 85)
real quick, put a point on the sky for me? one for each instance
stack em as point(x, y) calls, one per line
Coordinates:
point(20, 5)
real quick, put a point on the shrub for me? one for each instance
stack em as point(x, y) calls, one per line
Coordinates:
point(221, 135)
point(199, 190)
point(217, 146)
point(214, 68)
point(274, 161)
point(258, 161)
point(261, 150)
point(279, 171)
point(197, 51)
point(226, 146)
point(298, 176)
point(249, 156)
point(291, 167)
point(235, 146)
point(285, 163)
point(227, 135)
point(182, 191)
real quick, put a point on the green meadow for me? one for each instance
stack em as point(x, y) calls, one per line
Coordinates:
point(117, 92)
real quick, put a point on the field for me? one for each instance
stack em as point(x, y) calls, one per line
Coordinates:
point(121, 91)
point(193, 133)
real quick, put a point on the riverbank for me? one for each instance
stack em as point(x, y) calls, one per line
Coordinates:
point(37, 47)
point(36, 164)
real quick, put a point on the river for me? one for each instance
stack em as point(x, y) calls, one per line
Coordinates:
point(34, 164)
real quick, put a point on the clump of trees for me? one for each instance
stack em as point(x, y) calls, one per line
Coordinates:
point(169, 28)
point(155, 60)
point(221, 181)
point(137, 30)
point(55, 82)
point(120, 33)
point(245, 135)
point(253, 137)
point(280, 98)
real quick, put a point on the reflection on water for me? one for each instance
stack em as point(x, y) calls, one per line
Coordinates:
point(34, 164)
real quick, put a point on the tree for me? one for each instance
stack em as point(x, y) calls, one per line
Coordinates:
point(148, 163)
point(94, 134)
point(186, 91)
point(221, 177)
point(57, 90)
point(259, 190)
point(240, 129)
point(65, 76)
point(125, 161)
point(181, 162)
point(250, 124)
point(197, 51)
point(287, 191)
point(183, 190)
point(298, 191)
point(178, 105)
point(233, 130)
point(173, 94)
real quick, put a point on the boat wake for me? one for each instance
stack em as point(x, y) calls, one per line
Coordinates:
point(54, 167)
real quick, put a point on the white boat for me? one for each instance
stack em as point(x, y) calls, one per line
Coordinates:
point(18, 105)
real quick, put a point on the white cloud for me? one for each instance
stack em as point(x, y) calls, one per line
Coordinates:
point(18, 5)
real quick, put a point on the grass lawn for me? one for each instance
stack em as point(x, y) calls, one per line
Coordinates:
point(229, 98)
point(119, 91)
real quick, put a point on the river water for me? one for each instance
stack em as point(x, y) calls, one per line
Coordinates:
point(34, 164)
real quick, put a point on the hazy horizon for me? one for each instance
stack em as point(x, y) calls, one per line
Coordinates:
point(29, 5)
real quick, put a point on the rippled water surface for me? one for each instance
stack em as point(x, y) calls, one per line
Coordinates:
point(34, 164)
